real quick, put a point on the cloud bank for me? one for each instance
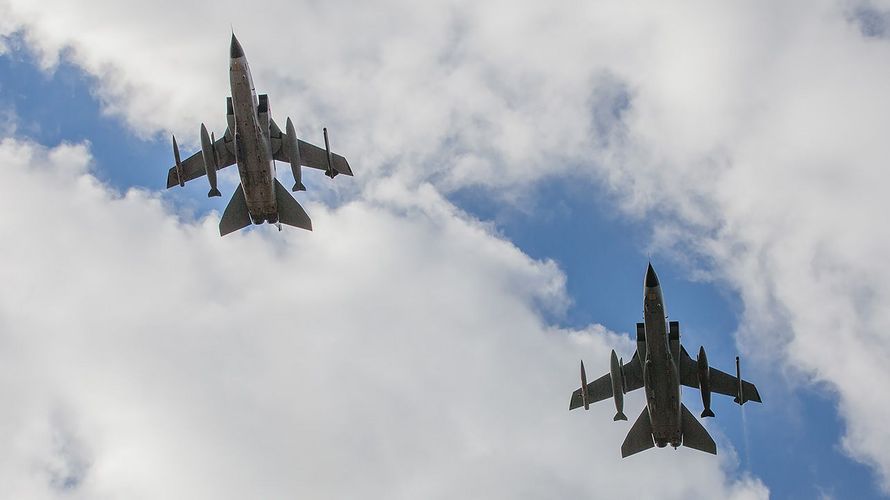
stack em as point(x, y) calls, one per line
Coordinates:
point(751, 131)
point(398, 352)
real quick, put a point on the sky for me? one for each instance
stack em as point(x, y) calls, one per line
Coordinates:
point(516, 166)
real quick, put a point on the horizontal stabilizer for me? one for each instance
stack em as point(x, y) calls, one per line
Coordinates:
point(236, 215)
point(640, 436)
point(298, 186)
point(694, 434)
point(619, 416)
point(289, 211)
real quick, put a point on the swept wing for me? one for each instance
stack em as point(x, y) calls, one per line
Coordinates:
point(601, 388)
point(310, 155)
point(193, 166)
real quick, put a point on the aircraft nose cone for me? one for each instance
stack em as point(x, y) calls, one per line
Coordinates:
point(236, 51)
point(651, 277)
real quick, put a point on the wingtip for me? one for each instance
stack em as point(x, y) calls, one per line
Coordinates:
point(172, 178)
point(342, 166)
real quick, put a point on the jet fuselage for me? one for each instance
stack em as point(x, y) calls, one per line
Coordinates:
point(253, 147)
point(661, 376)
point(661, 366)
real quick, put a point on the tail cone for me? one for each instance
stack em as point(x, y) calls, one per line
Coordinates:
point(707, 413)
point(214, 192)
point(619, 416)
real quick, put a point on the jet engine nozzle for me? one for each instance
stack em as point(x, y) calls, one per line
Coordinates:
point(178, 163)
point(704, 382)
point(330, 172)
point(293, 154)
point(210, 163)
point(617, 375)
point(585, 395)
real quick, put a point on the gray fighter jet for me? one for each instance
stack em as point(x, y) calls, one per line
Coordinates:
point(661, 365)
point(254, 141)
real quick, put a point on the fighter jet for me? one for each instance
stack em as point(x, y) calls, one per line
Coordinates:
point(661, 366)
point(254, 141)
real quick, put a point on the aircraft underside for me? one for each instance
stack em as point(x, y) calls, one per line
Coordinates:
point(254, 142)
point(661, 366)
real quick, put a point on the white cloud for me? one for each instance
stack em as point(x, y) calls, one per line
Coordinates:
point(8, 121)
point(777, 179)
point(395, 352)
point(754, 131)
point(399, 84)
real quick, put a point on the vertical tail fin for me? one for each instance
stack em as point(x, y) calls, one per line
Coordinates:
point(640, 436)
point(236, 215)
point(289, 211)
point(694, 434)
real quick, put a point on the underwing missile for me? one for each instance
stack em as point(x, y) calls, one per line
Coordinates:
point(738, 375)
point(293, 154)
point(327, 146)
point(209, 161)
point(585, 396)
point(178, 163)
point(617, 387)
point(704, 382)
point(215, 152)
